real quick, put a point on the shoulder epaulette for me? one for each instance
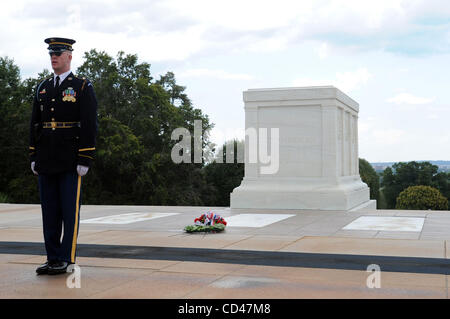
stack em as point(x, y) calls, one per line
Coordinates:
point(84, 79)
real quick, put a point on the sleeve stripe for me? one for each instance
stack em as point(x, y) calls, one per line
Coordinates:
point(86, 149)
point(85, 156)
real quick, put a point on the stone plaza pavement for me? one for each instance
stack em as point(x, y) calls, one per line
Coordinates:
point(143, 252)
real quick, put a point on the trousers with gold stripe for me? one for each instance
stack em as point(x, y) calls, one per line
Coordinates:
point(60, 201)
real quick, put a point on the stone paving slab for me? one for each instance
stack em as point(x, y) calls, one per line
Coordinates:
point(398, 235)
point(20, 281)
point(105, 262)
point(202, 280)
point(293, 288)
point(356, 233)
point(307, 232)
point(369, 246)
point(263, 242)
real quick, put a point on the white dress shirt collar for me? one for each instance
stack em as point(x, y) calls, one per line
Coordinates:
point(62, 77)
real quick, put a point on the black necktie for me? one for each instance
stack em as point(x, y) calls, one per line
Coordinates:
point(57, 82)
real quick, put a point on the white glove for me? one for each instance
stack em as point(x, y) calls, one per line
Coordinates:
point(32, 168)
point(82, 170)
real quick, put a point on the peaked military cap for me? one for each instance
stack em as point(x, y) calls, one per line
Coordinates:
point(59, 44)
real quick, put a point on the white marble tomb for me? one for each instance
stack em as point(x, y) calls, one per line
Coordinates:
point(310, 135)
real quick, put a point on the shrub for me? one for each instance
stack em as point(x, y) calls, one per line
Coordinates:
point(422, 198)
point(3, 198)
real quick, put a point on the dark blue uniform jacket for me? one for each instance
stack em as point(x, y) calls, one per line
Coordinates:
point(63, 125)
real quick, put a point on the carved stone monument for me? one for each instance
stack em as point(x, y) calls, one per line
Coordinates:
point(310, 136)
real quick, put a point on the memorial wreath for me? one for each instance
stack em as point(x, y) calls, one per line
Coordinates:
point(208, 222)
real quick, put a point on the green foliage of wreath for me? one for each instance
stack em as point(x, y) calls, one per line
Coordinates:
point(200, 228)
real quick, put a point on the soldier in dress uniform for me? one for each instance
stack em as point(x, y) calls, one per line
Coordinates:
point(62, 145)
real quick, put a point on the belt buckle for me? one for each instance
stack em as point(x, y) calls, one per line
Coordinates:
point(53, 124)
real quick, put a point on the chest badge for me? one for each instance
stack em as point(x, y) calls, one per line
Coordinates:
point(69, 95)
point(42, 92)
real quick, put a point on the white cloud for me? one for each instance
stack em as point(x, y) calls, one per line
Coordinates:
point(365, 125)
point(176, 30)
point(312, 82)
point(322, 51)
point(406, 98)
point(219, 74)
point(249, 15)
point(388, 136)
point(74, 16)
point(345, 81)
point(350, 81)
point(265, 44)
point(443, 139)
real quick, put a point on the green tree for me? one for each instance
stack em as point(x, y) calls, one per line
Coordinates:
point(16, 181)
point(441, 181)
point(390, 187)
point(151, 110)
point(223, 176)
point(136, 118)
point(117, 165)
point(370, 177)
point(11, 115)
point(421, 198)
point(402, 175)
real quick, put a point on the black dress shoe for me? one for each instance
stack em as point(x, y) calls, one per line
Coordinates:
point(43, 269)
point(58, 268)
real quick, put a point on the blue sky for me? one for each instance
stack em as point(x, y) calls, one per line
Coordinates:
point(392, 57)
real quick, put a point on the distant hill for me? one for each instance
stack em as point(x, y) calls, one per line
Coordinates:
point(444, 166)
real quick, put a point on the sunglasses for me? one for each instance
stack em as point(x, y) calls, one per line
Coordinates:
point(57, 53)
